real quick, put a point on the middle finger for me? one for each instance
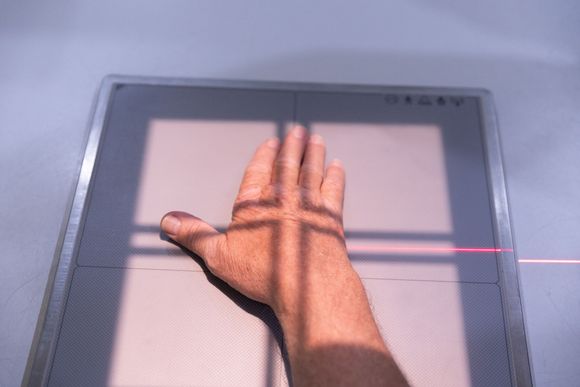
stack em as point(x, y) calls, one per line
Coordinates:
point(287, 164)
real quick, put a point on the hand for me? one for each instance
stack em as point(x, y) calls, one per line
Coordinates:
point(286, 236)
point(285, 247)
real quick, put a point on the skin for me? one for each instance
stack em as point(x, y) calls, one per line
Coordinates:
point(285, 248)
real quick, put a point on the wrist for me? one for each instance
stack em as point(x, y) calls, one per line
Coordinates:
point(324, 313)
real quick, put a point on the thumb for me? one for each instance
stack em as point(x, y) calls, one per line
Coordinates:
point(194, 234)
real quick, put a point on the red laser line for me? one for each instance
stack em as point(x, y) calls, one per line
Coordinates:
point(549, 261)
point(437, 249)
point(423, 249)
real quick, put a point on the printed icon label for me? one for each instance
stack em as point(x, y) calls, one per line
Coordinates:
point(457, 101)
point(424, 100)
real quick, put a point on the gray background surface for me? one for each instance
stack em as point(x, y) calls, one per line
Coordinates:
point(53, 56)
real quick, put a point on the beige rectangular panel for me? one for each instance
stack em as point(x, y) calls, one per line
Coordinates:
point(134, 327)
point(443, 334)
point(172, 149)
point(396, 170)
point(194, 166)
point(416, 202)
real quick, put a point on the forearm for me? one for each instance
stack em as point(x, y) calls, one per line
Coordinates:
point(332, 338)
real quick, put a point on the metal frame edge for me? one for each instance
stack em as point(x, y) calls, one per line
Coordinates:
point(44, 345)
point(38, 368)
point(507, 264)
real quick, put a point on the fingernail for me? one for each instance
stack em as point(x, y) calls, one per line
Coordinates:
point(337, 162)
point(317, 139)
point(170, 225)
point(298, 131)
point(273, 143)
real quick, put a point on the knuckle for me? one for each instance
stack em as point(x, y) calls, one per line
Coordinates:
point(287, 162)
point(335, 185)
point(257, 168)
point(310, 198)
point(219, 264)
point(214, 265)
point(249, 192)
point(336, 171)
point(193, 234)
point(309, 169)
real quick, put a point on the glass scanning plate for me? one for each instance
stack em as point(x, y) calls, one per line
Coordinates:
point(418, 220)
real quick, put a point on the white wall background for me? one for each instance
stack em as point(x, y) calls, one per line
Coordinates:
point(54, 54)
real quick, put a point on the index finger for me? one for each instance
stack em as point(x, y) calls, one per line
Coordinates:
point(258, 173)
